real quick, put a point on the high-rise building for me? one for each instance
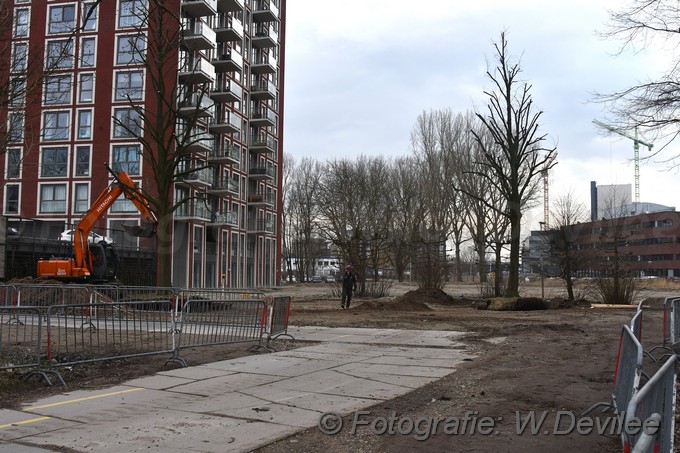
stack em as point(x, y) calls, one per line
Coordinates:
point(87, 78)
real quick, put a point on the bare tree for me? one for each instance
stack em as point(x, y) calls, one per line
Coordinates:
point(514, 165)
point(303, 213)
point(286, 237)
point(404, 189)
point(651, 104)
point(564, 253)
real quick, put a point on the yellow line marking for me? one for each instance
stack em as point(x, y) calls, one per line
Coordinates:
point(87, 398)
point(32, 420)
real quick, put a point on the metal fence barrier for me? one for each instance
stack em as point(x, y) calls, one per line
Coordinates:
point(212, 322)
point(627, 374)
point(73, 324)
point(279, 314)
point(83, 333)
point(636, 323)
point(20, 337)
point(656, 396)
point(647, 441)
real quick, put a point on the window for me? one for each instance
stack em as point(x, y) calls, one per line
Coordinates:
point(57, 90)
point(129, 85)
point(56, 125)
point(131, 13)
point(127, 123)
point(131, 49)
point(123, 204)
point(21, 20)
point(62, 18)
point(19, 56)
point(13, 163)
point(17, 92)
point(86, 88)
point(82, 161)
point(126, 158)
point(87, 48)
point(12, 199)
point(52, 198)
point(59, 54)
point(81, 195)
point(89, 17)
point(15, 127)
point(54, 161)
point(85, 124)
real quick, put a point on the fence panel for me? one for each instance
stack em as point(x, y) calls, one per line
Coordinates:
point(211, 322)
point(279, 315)
point(8, 295)
point(656, 396)
point(627, 373)
point(80, 333)
point(636, 323)
point(48, 295)
point(20, 337)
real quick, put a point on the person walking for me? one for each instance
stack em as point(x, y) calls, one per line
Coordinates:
point(349, 284)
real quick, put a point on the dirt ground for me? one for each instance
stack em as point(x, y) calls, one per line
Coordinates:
point(550, 361)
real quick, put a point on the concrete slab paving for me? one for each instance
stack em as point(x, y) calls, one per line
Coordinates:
point(239, 404)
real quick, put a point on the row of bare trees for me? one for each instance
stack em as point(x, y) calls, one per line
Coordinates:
point(468, 180)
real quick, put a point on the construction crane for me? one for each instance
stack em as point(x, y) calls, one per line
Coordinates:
point(636, 151)
point(546, 197)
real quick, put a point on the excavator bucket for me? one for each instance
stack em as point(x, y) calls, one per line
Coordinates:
point(146, 230)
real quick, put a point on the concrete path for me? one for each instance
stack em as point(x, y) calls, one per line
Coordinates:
point(238, 404)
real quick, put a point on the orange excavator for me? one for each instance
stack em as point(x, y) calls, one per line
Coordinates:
point(97, 261)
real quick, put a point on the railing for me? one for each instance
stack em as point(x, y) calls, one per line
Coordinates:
point(119, 322)
point(657, 396)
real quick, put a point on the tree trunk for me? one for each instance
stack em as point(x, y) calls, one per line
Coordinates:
point(515, 232)
point(165, 249)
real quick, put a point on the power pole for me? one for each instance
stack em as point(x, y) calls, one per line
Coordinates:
point(636, 151)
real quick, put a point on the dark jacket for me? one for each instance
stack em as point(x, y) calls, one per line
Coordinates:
point(349, 280)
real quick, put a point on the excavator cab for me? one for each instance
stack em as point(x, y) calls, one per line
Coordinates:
point(104, 259)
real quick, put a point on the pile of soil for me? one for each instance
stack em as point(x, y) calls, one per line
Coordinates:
point(420, 299)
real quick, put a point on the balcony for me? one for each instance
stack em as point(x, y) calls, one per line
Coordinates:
point(262, 90)
point(229, 30)
point(227, 123)
point(225, 154)
point(199, 8)
point(261, 199)
point(265, 11)
point(262, 143)
point(227, 62)
point(196, 106)
point(227, 186)
point(224, 6)
point(231, 93)
point(228, 219)
point(265, 37)
point(193, 210)
point(198, 142)
point(260, 226)
point(198, 37)
point(263, 64)
point(261, 172)
point(200, 71)
point(263, 117)
point(202, 176)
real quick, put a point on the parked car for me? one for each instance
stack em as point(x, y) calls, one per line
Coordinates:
point(92, 238)
point(316, 279)
point(330, 279)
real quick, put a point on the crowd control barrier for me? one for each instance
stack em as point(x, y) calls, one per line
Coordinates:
point(627, 374)
point(64, 325)
point(657, 396)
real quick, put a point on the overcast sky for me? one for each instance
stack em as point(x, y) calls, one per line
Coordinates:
point(358, 73)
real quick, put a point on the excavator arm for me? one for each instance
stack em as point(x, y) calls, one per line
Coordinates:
point(82, 264)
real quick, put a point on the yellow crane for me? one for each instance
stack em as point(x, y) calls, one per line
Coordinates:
point(636, 151)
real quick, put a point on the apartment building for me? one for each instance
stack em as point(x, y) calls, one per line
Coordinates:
point(83, 79)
